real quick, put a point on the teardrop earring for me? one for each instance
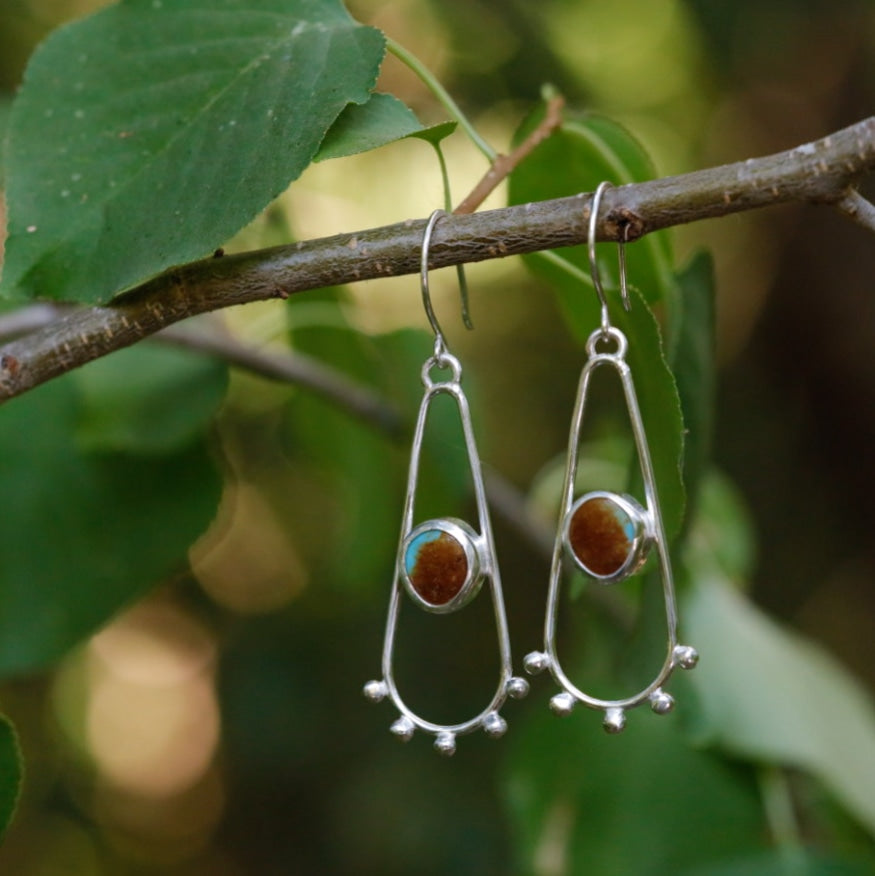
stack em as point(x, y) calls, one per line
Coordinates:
point(442, 564)
point(606, 535)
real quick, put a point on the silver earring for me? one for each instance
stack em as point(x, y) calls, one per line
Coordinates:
point(608, 536)
point(442, 564)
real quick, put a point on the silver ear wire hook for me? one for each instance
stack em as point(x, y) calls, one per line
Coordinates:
point(593, 264)
point(440, 344)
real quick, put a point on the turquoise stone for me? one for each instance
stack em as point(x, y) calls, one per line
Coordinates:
point(411, 555)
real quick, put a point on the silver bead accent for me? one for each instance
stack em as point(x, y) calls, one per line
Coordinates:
point(615, 720)
point(517, 688)
point(445, 744)
point(403, 728)
point(375, 691)
point(685, 656)
point(628, 514)
point(562, 704)
point(494, 725)
point(535, 662)
point(661, 702)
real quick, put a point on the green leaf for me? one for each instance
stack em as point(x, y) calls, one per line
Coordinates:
point(84, 533)
point(5, 108)
point(10, 773)
point(150, 132)
point(147, 399)
point(660, 407)
point(783, 862)
point(359, 468)
point(644, 803)
point(691, 356)
point(383, 119)
point(435, 133)
point(590, 149)
point(721, 538)
point(769, 695)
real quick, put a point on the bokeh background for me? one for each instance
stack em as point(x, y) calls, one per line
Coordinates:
point(217, 727)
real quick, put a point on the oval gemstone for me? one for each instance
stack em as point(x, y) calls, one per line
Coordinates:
point(436, 566)
point(601, 534)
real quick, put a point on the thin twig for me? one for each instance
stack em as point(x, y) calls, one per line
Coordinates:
point(297, 368)
point(854, 205)
point(820, 172)
point(503, 165)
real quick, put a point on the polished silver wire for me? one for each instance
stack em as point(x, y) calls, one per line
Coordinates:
point(482, 543)
point(593, 263)
point(423, 273)
point(677, 655)
point(440, 345)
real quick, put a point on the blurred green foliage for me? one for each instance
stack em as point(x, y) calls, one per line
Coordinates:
point(10, 771)
point(218, 727)
point(98, 523)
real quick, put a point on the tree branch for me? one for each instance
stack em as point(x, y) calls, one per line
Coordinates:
point(296, 368)
point(822, 172)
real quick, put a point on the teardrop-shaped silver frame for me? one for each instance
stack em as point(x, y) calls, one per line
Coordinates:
point(677, 655)
point(486, 574)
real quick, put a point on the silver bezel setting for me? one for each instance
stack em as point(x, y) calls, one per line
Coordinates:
point(640, 544)
point(464, 535)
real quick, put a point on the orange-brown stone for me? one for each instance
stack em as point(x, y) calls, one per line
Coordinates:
point(437, 567)
point(598, 534)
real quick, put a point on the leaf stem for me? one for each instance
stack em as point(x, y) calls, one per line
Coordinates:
point(445, 178)
point(548, 255)
point(778, 805)
point(448, 206)
point(428, 78)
